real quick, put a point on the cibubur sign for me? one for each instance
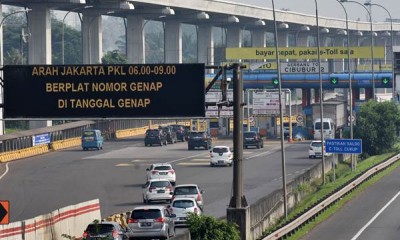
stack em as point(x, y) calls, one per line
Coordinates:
point(104, 91)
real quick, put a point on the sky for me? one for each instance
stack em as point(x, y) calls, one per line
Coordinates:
point(332, 8)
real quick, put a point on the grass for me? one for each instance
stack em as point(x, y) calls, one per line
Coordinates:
point(317, 191)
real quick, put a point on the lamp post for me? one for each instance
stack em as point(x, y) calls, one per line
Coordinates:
point(391, 45)
point(63, 25)
point(349, 76)
point(1, 27)
point(372, 44)
point(320, 93)
point(281, 114)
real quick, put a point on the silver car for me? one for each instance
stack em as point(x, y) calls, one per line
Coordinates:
point(189, 191)
point(151, 222)
point(181, 207)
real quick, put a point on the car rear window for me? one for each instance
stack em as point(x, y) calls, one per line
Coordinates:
point(196, 134)
point(185, 190)
point(183, 204)
point(160, 184)
point(99, 228)
point(316, 144)
point(220, 150)
point(249, 134)
point(152, 132)
point(146, 214)
point(161, 168)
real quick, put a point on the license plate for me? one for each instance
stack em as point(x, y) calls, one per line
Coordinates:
point(182, 218)
point(145, 224)
point(162, 173)
point(220, 161)
point(160, 191)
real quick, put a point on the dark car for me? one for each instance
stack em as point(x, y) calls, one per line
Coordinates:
point(180, 131)
point(187, 132)
point(105, 230)
point(199, 139)
point(252, 139)
point(171, 134)
point(155, 136)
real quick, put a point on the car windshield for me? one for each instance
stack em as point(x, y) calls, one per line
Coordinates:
point(160, 184)
point(146, 214)
point(100, 228)
point(318, 125)
point(220, 149)
point(89, 134)
point(185, 190)
point(249, 134)
point(161, 168)
point(183, 204)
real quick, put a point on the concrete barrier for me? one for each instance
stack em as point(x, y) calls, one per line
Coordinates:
point(66, 143)
point(24, 153)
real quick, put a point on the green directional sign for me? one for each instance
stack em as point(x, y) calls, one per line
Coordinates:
point(385, 80)
point(334, 80)
point(275, 81)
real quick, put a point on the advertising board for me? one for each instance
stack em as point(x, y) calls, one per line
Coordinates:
point(104, 91)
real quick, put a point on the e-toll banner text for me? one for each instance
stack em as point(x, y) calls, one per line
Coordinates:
point(104, 91)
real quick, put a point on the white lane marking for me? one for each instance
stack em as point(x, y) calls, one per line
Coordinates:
point(5, 171)
point(200, 160)
point(180, 159)
point(193, 164)
point(257, 155)
point(124, 165)
point(376, 216)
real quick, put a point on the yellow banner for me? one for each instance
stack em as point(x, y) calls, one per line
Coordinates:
point(303, 53)
point(378, 67)
point(285, 120)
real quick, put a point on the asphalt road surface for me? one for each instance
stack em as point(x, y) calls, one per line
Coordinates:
point(372, 215)
point(115, 175)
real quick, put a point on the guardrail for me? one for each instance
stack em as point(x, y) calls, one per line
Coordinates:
point(301, 220)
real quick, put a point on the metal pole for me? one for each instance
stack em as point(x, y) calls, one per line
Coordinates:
point(321, 97)
point(391, 45)
point(248, 110)
point(281, 114)
point(353, 165)
point(290, 116)
point(238, 200)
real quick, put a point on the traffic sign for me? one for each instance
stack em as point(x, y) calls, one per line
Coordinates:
point(344, 146)
point(275, 81)
point(353, 118)
point(334, 80)
point(299, 119)
point(4, 212)
point(251, 119)
point(385, 80)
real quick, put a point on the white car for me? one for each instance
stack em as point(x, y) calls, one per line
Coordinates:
point(316, 149)
point(221, 156)
point(161, 171)
point(189, 191)
point(157, 190)
point(181, 207)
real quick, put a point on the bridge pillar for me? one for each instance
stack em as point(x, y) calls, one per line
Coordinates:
point(173, 42)
point(233, 37)
point(302, 39)
point(135, 39)
point(259, 38)
point(92, 38)
point(205, 50)
point(305, 97)
point(39, 22)
point(283, 38)
point(338, 64)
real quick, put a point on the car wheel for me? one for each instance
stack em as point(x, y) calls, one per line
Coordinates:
point(211, 165)
point(230, 165)
point(258, 146)
point(262, 145)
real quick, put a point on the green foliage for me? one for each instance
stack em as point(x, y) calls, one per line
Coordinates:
point(208, 228)
point(114, 57)
point(377, 125)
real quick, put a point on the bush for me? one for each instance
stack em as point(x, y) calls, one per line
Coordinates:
point(208, 228)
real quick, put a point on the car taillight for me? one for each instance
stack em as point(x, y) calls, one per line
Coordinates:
point(161, 219)
point(256, 138)
point(195, 210)
point(154, 172)
point(115, 233)
point(211, 155)
point(198, 197)
point(85, 234)
point(151, 189)
point(169, 188)
point(171, 171)
point(132, 220)
point(311, 148)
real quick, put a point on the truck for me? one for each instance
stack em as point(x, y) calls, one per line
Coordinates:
point(333, 112)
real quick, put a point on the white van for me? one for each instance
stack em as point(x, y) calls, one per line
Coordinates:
point(328, 127)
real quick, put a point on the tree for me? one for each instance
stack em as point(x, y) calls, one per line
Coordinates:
point(377, 125)
point(114, 57)
point(208, 228)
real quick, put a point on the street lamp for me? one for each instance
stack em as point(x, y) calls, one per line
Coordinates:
point(321, 98)
point(1, 27)
point(391, 44)
point(372, 45)
point(281, 113)
point(349, 73)
point(63, 25)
